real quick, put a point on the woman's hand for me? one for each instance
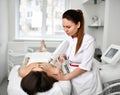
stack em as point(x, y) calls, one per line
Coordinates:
point(62, 58)
point(49, 68)
point(46, 66)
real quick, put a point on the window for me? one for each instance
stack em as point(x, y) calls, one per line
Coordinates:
point(40, 19)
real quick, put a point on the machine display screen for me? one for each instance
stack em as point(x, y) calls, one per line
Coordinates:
point(111, 53)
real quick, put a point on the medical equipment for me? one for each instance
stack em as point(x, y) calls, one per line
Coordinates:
point(112, 55)
point(109, 70)
point(60, 50)
point(65, 66)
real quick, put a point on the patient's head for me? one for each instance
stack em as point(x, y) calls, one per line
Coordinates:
point(37, 81)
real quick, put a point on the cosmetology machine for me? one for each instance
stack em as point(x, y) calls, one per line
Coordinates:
point(110, 65)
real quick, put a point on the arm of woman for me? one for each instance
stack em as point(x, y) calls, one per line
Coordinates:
point(22, 71)
point(71, 75)
point(25, 69)
point(49, 68)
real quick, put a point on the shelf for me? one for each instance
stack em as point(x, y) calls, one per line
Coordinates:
point(92, 1)
point(95, 26)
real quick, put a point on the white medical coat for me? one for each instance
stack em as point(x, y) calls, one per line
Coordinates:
point(86, 83)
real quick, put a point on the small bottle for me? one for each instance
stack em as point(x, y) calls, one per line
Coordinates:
point(99, 22)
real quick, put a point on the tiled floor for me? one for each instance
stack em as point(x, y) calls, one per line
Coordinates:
point(3, 87)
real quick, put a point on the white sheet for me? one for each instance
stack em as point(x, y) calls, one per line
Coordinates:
point(39, 57)
point(59, 88)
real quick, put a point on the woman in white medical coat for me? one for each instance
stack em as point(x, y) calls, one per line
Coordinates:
point(80, 54)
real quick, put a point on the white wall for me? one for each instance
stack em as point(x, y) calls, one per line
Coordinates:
point(112, 23)
point(90, 9)
point(109, 13)
point(11, 19)
point(95, 10)
point(3, 38)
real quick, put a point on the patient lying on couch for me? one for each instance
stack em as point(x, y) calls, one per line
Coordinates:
point(34, 77)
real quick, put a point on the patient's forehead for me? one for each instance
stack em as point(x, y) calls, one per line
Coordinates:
point(37, 68)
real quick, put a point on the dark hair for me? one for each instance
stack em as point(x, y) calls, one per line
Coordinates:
point(76, 16)
point(37, 81)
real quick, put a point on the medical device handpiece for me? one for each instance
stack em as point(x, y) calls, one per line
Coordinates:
point(49, 61)
point(53, 60)
point(65, 66)
point(59, 51)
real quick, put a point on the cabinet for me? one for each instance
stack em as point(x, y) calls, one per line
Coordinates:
point(108, 72)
